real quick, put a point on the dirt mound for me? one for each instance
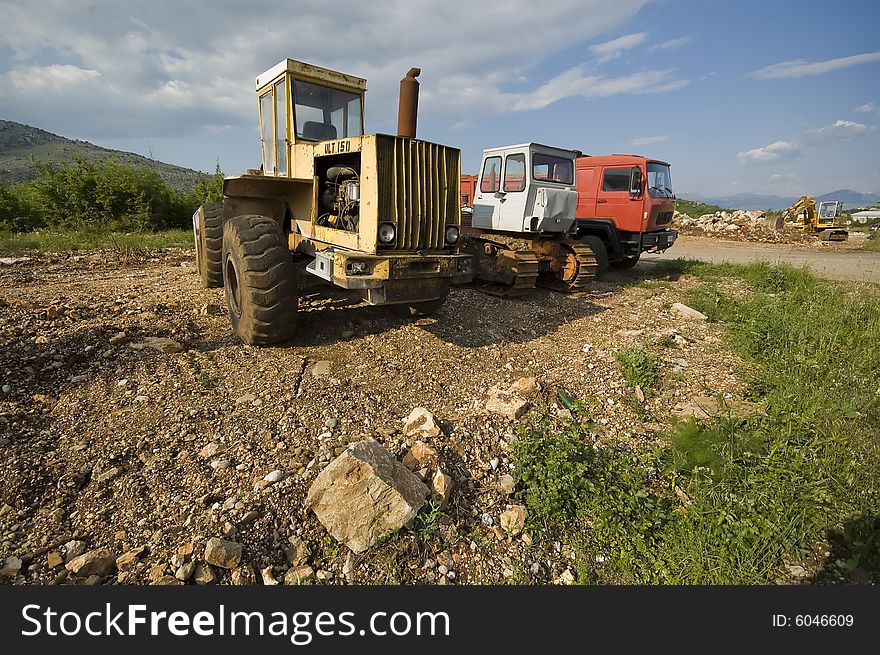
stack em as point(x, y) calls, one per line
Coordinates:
point(740, 225)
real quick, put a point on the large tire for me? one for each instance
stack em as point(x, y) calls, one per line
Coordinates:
point(208, 235)
point(625, 263)
point(260, 280)
point(600, 252)
point(426, 308)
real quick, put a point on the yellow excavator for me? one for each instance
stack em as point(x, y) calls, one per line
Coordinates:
point(826, 220)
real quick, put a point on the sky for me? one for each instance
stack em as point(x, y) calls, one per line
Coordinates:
point(773, 97)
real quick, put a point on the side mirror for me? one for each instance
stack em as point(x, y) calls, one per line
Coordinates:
point(635, 183)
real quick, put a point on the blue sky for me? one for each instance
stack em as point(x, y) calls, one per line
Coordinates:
point(763, 97)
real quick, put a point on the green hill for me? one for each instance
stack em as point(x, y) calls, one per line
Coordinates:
point(20, 144)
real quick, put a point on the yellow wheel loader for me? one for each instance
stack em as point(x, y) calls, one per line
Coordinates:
point(374, 214)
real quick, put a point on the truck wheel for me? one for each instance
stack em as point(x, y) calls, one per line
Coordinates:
point(426, 308)
point(625, 263)
point(260, 280)
point(208, 235)
point(600, 252)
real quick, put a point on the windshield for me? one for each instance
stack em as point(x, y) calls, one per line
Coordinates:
point(659, 180)
point(547, 168)
point(321, 113)
point(828, 209)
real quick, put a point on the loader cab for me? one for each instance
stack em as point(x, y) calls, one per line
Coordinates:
point(301, 104)
point(526, 188)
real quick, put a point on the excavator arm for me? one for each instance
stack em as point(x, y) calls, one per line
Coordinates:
point(804, 205)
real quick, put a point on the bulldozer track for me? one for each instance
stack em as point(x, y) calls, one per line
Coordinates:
point(525, 269)
point(585, 270)
point(526, 276)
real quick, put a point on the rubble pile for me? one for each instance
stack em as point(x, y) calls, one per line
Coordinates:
point(739, 225)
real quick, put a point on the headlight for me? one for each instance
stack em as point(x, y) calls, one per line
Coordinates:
point(386, 233)
point(356, 267)
point(452, 234)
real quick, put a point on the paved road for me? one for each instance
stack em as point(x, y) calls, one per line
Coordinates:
point(831, 261)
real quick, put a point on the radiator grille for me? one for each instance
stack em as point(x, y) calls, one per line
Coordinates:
point(418, 190)
point(663, 218)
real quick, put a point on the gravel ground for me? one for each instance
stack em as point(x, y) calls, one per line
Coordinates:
point(132, 420)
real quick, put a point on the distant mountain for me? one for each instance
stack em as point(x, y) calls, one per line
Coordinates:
point(19, 143)
point(753, 201)
point(851, 199)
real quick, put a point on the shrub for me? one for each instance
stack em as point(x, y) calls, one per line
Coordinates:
point(102, 196)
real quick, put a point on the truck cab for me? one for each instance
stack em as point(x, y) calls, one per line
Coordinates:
point(526, 188)
point(627, 201)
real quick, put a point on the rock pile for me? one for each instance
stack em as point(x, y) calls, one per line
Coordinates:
point(737, 225)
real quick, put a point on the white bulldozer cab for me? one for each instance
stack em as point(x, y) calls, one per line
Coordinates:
point(526, 188)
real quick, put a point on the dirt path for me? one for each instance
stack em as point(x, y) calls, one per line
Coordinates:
point(834, 261)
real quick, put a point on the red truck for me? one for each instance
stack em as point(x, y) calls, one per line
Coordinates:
point(626, 203)
point(624, 208)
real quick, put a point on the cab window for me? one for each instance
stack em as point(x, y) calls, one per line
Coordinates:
point(616, 179)
point(281, 126)
point(490, 180)
point(547, 168)
point(321, 113)
point(515, 172)
point(267, 122)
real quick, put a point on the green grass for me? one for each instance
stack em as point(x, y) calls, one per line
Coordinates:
point(760, 489)
point(640, 368)
point(12, 244)
point(873, 243)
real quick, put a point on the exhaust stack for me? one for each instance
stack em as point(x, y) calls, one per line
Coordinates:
point(408, 109)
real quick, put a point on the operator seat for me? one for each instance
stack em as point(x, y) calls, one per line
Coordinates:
point(315, 131)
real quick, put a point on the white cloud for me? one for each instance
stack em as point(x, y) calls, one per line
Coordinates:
point(672, 44)
point(33, 80)
point(616, 47)
point(839, 130)
point(770, 153)
point(803, 68)
point(649, 140)
point(125, 69)
point(459, 94)
point(867, 108)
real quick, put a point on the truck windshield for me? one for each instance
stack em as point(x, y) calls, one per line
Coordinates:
point(321, 113)
point(659, 180)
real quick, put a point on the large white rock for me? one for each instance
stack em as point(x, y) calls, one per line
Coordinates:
point(365, 494)
point(509, 405)
point(421, 423)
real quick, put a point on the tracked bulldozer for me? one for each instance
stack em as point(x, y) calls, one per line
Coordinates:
point(377, 215)
point(520, 227)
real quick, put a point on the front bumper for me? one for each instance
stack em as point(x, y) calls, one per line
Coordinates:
point(403, 277)
point(658, 241)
